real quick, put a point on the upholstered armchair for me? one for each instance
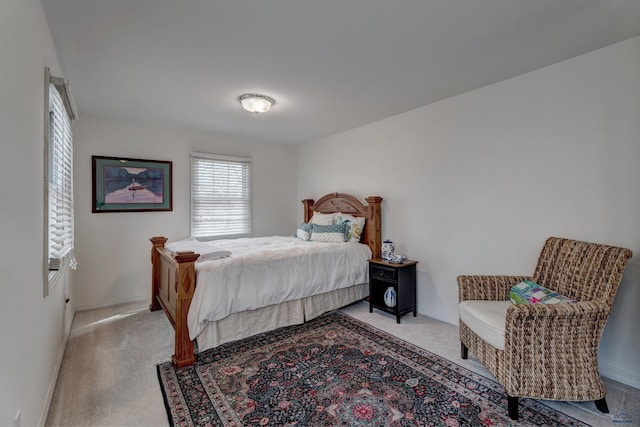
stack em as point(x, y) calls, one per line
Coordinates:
point(545, 351)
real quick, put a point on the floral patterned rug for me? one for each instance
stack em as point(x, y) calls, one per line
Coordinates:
point(336, 370)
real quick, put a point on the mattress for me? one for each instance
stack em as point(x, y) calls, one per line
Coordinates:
point(267, 271)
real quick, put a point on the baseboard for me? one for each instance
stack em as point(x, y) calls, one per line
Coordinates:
point(620, 375)
point(54, 377)
point(135, 298)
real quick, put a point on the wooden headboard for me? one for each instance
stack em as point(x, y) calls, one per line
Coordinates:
point(346, 203)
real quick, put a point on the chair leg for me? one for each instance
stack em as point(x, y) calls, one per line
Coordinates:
point(601, 404)
point(513, 407)
point(464, 351)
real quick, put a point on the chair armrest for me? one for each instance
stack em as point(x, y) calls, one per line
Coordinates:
point(547, 328)
point(551, 350)
point(488, 288)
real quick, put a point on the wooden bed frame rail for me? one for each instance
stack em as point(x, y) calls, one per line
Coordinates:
point(173, 275)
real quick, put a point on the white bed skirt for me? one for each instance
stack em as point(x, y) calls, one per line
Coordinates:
point(245, 324)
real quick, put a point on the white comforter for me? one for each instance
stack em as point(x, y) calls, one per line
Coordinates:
point(269, 270)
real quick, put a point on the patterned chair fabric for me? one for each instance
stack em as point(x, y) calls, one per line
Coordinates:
point(551, 351)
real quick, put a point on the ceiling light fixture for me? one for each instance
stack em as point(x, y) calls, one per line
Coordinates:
point(254, 103)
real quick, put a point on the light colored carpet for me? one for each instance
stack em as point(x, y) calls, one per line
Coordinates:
point(108, 374)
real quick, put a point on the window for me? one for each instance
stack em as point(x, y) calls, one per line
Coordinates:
point(58, 178)
point(220, 195)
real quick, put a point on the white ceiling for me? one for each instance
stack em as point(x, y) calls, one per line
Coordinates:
point(331, 65)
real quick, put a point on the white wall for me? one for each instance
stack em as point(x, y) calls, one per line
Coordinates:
point(113, 248)
point(475, 183)
point(32, 328)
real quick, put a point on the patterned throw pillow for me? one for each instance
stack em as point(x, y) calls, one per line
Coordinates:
point(328, 233)
point(355, 225)
point(304, 231)
point(529, 292)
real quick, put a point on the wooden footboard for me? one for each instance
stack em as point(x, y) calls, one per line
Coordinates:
point(173, 281)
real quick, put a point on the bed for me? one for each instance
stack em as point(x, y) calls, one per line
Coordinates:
point(173, 286)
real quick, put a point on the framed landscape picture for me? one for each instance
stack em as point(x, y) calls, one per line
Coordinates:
point(131, 185)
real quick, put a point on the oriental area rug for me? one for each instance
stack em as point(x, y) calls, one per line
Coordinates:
point(336, 371)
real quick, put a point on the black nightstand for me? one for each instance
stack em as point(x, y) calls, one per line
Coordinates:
point(400, 277)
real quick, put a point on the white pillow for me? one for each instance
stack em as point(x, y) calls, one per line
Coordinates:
point(322, 219)
point(355, 226)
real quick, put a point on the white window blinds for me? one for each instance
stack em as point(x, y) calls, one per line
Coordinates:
point(220, 195)
point(60, 180)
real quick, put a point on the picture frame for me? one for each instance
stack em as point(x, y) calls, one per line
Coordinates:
point(131, 185)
